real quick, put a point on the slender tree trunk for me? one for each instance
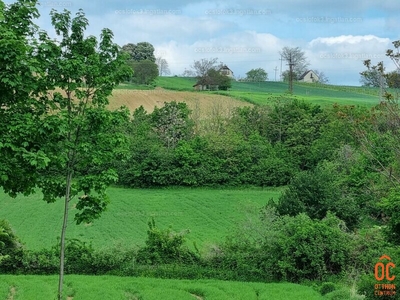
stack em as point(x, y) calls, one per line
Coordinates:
point(63, 231)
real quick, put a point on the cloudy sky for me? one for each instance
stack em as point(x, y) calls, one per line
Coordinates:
point(336, 35)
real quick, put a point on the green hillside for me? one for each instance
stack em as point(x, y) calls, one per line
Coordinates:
point(209, 214)
point(264, 92)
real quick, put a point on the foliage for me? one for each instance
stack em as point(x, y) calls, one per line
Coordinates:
point(327, 287)
point(256, 75)
point(164, 247)
point(316, 192)
point(144, 71)
point(390, 206)
point(11, 249)
point(286, 248)
point(374, 75)
point(140, 51)
point(72, 134)
point(215, 78)
point(171, 123)
point(393, 79)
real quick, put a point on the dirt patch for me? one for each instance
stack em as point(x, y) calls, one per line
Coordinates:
point(12, 293)
point(197, 297)
point(201, 103)
point(70, 298)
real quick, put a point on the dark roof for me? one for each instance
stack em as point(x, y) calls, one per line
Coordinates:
point(225, 67)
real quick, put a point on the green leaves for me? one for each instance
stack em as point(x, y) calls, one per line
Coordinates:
point(90, 207)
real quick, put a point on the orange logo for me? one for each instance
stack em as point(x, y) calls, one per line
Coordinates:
point(382, 271)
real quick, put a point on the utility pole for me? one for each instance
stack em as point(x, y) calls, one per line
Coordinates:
point(281, 59)
point(291, 64)
point(276, 69)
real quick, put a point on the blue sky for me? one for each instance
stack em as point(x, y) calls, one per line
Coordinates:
point(336, 35)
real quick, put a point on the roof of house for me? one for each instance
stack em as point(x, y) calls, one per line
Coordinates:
point(225, 67)
point(305, 73)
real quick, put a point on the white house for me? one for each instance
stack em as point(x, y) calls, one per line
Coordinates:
point(224, 70)
point(309, 76)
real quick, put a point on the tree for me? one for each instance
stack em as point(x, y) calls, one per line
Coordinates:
point(201, 67)
point(374, 75)
point(296, 60)
point(172, 123)
point(144, 72)
point(393, 79)
point(256, 75)
point(297, 57)
point(321, 76)
point(207, 73)
point(163, 68)
point(140, 51)
point(18, 86)
point(57, 129)
point(215, 78)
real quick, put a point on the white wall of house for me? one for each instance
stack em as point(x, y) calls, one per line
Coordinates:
point(310, 77)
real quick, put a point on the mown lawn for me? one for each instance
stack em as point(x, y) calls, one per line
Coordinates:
point(126, 288)
point(209, 214)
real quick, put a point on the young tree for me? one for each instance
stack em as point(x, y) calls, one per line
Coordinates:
point(57, 131)
point(256, 75)
point(163, 68)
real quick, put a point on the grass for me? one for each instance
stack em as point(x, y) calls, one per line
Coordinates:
point(263, 92)
point(209, 214)
point(109, 287)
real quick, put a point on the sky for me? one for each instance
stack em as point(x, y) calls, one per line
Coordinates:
point(336, 35)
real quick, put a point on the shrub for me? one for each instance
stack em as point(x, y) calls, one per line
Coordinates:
point(315, 193)
point(164, 247)
point(11, 250)
point(308, 249)
point(327, 287)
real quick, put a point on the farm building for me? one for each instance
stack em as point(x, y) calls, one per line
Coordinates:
point(205, 87)
point(309, 76)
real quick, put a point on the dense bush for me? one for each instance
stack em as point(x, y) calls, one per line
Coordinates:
point(287, 248)
point(164, 247)
point(315, 192)
point(11, 250)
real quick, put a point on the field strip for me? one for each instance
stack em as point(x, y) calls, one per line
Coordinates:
point(12, 293)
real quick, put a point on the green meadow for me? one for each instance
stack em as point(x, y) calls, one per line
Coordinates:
point(127, 288)
point(264, 92)
point(209, 214)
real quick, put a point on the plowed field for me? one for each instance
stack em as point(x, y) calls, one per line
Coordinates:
point(201, 103)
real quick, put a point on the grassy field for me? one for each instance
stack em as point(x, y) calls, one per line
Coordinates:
point(209, 214)
point(263, 92)
point(115, 288)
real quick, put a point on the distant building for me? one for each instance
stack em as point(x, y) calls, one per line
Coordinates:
point(224, 70)
point(309, 77)
point(205, 87)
